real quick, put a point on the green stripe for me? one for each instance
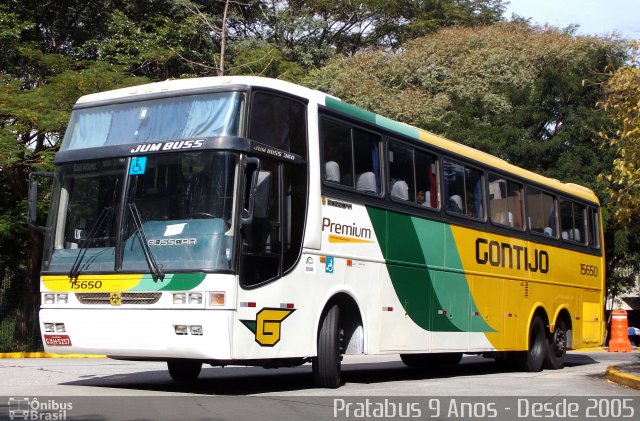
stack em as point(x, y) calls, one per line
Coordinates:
point(435, 300)
point(171, 282)
point(372, 118)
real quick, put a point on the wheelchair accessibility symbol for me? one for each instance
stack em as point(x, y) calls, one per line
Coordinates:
point(328, 268)
point(138, 165)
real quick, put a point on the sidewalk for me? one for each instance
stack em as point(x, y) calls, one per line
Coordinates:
point(625, 374)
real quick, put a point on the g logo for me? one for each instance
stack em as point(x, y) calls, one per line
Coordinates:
point(267, 325)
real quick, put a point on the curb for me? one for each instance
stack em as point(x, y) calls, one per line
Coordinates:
point(15, 355)
point(620, 377)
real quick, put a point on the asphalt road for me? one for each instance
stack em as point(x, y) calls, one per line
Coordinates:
point(221, 393)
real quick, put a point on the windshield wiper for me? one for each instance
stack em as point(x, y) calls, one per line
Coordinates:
point(148, 254)
point(104, 216)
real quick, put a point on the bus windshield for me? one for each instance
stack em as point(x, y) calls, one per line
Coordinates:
point(178, 209)
point(183, 117)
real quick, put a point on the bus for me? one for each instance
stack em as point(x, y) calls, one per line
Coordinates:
point(251, 221)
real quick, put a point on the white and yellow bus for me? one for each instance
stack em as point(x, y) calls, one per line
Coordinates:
point(250, 221)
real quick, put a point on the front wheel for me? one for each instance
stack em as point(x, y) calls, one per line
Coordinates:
point(556, 347)
point(184, 370)
point(327, 364)
point(532, 359)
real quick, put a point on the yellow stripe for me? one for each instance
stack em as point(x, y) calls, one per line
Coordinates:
point(15, 355)
point(341, 239)
point(496, 162)
point(91, 283)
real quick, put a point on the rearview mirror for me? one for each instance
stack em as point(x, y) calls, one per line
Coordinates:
point(32, 197)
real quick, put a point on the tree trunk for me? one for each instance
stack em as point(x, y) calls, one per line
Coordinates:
point(26, 333)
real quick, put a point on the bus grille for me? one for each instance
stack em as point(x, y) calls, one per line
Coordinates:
point(128, 298)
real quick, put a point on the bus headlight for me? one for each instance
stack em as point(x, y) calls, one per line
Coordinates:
point(181, 330)
point(196, 330)
point(63, 298)
point(179, 298)
point(49, 298)
point(49, 327)
point(195, 298)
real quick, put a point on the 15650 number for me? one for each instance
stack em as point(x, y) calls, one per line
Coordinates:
point(75, 284)
point(588, 270)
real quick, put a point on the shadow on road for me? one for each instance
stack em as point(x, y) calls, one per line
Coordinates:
point(252, 380)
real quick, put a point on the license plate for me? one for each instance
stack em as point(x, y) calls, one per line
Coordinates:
point(57, 340)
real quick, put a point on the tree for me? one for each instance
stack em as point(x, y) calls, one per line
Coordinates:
point(42, 73)
point(510, 89)
point(622, 179)
point(310, 31)
point(623, 104)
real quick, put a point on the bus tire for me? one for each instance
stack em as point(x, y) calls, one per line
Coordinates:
point(327, 364)
point(556, 347)
point(431, 360)
point(184, 370)
point(532, 359)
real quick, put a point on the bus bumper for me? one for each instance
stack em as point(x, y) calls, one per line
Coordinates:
point(138, 334)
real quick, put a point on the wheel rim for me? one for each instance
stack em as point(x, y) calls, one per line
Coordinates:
point(559, 342)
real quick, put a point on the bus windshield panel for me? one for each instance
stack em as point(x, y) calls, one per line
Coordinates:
point(177, 210)
point(183, 117)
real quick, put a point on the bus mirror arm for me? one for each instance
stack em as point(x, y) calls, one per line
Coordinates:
point(32, 207)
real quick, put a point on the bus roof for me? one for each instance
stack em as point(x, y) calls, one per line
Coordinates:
point(195, 84)
point(203, 83)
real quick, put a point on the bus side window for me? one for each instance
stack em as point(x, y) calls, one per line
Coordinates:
point(505, 201)
point(366, 161)
point(593, 228)
point(401, 171)
point(338, 155)
point(463, 190)
point(426, 181)
point(279, 122)
point(572, 218)
point(541, 213)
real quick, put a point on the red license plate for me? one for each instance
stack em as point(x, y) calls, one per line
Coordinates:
point(57, 340)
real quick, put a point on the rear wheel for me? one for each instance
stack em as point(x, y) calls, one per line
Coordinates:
point(431, 360)
point(556, 347)
point(327, 365)
point(184, 370)
point(532, 359)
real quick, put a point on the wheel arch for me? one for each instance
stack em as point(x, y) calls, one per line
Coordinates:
point(538, 309)
point(563, 313)
point(351, 321)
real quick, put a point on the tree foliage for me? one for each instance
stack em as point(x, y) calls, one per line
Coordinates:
point(622, 178)
point(525, 94)
point(623, 104)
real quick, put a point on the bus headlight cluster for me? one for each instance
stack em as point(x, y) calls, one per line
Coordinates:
point(195, 330)
point(55, 327)
point(184, 298)
point(50, 298)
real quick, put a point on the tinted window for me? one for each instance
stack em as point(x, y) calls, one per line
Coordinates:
point(279, 122)
point(402, 173)
point(505, 200)
point(351, 157)
point(572, 218)
point(541, 213)
point(412, 175)
point(463, 190)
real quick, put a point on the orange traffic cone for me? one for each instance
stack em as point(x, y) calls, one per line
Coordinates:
point(619, 337)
